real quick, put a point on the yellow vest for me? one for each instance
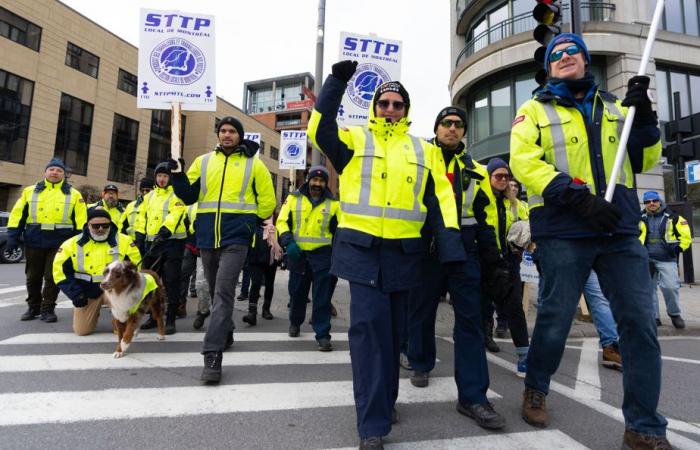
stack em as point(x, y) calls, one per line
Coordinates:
point(310, 225)
point(675, 233)
point(51, 208)
point(149, 285)
point(161, 208)
point(114, 213)
point(130, 215)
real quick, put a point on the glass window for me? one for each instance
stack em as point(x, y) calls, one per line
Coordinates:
point(524, 85)
point(262, 147)
point(501, 115)
point(122, 156)
point(481, 115)
point(274, 153)
point(274, 181)
point(679, 83)
point(261, 101)
point(690, 12)
point(159, 141)
point(695, 97)
point(285, 120)
point(82, 60)
point(73, 133)
point(662, 95)
point(127, 82)
point(17, 29)
point(217, 121)
point(479, 35)
point(673, 16)
point(16, 95)
point(497, 27)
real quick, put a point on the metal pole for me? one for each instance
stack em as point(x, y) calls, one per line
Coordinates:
point(622, 148)
point(318, 75)
point(175, 128)
point(576, 17)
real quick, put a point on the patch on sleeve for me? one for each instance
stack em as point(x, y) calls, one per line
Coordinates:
point(60, 249)
point(179, 204)
point(517, 120)
point(684, 222)
point(80, 200)
point(133, 244)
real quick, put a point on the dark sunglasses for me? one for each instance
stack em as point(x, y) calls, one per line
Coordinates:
point(100, 226)
point(384, 104)
point(502, 176)
point(447, 123)
point(646, 202)
point(571, 50)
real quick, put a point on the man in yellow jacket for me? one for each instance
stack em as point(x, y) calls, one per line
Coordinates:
point(161, 229)
point(110, 203)
point(389, 188)
point(665, 234)
point(127, 223)
point(80, 262)
point(45, 215)
point(562, 148)
point(306, 224)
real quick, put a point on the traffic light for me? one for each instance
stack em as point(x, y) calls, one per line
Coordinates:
point(547, 13)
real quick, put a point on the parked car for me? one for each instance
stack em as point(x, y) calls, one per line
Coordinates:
point(6, 257)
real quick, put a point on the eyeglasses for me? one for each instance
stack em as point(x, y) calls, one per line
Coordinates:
point(384, 104)
point(100, 226)
point(646, 202)
point(447, 123)
point(502, 176)
point(571, 50)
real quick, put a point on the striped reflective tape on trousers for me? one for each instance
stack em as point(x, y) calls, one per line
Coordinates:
point(65, 220)
point(561, 160)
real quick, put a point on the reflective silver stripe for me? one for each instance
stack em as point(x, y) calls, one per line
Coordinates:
point(612, 107)
point(561, 160)
point(34, 204)
point(181, 235)
point(534, 200)
point(367, 166)
point(420, 159)
point(467, 201)
point(81, 257)
point(313, 240)
point(466, 221)
point(246, 178)
point(387, 212)
point(203, 175)
point(88, 277)
point(166, 207)
point(297, 217)
point(229, 205)
point(326, 218)
point(66, 209)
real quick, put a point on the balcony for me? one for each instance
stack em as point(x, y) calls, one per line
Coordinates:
point(590, 12)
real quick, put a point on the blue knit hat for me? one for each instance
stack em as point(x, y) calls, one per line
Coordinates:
point(562, 38)
point(56, 162)
point(651, 195)
point(496, 163)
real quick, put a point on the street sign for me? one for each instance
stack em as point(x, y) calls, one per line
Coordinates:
point(692, 172)
point(379, 60)
point(176, 61)
point(293, 145)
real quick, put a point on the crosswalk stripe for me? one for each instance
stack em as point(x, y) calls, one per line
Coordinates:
point(98, 361)
point(9, 290)
point(110, 404)
point(528, 440)
point(99, 338)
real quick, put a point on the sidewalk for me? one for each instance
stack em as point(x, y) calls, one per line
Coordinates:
point(690, 305)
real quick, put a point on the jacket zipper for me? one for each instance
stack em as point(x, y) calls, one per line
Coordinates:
point(217, 229)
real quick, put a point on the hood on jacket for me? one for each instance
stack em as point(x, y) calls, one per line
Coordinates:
point(382, 128)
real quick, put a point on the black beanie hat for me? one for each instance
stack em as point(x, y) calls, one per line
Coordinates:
point(161, 168)
point(450, 111)
point(98, 212)
point(317, 171)
point(146, 183)
point(231, 121)
point(392, 86)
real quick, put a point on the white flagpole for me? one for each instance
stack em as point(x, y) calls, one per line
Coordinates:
point(175, 129)
point(622, 148)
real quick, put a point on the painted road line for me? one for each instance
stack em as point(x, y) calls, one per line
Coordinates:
point(665, 358)
point(12, 301)
point(111, 404)
point(99, 338)
point(587, 376)
point(529, 440)
point(12, 289)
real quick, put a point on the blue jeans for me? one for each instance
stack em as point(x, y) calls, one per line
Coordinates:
point(666, 278)
point(320, 298)
point(621, 263)
point(600, 311)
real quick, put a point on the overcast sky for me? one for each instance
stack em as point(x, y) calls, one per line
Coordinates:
point(267, 38)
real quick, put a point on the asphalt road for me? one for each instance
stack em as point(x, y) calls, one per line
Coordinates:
point(62, 391)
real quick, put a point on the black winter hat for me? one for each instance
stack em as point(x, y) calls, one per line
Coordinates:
point(146, 183)
point(450, 111)
point(161, 168)
point(98, 212)
point(392, 86)
point(317, 171)
point(231, 121)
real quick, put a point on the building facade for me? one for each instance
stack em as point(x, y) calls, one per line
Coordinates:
point(68, 88)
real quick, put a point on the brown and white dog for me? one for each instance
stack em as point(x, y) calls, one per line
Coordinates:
point(123, 286)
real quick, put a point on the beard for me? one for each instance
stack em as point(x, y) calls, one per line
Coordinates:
point(111, 203)
point(98, 237)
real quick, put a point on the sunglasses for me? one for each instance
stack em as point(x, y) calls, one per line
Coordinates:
point(384, 104)
point(100, 226)
point(646, 202)
point(447, 123)
point(570, 50)
point(502, 176)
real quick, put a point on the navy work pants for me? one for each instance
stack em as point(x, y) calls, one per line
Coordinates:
point(299, 285)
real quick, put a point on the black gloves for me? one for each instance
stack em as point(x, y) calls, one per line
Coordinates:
point(637, 96)
point(163, 234)
point(174, 167)
point(80, 300)
point(496, 283)
point(344, 70)
point(602, 216)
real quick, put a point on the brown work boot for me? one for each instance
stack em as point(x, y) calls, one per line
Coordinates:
point(611, 357)
point(534, 409)
point(639, 441)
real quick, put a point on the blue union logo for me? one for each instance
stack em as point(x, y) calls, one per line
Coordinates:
point(365, 81)
point(293, 150)
point(177, 61)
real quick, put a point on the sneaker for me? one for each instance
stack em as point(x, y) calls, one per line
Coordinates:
point(30, 314)
point(638, 441)
point(658, 322)
point(611, 357)
point(534, 409)
point(49, 317)
point(294, 331)
point(404, 362)
point(324, 345)
point(420, 379)
point(483, 414)
point(522, 368)
point(372, 443)
point(267, 315)
point(149, 324)
point(199, 320)
point(678, 322)
point(212, 367)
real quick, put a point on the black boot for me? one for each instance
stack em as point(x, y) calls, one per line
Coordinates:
point(199, 320)
point(212, 367)
point(266, 314)
point(30, 313)
point(251, 318)
point(488, 337)
point(182, 311)
point(170, 320)
point(149, 324)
